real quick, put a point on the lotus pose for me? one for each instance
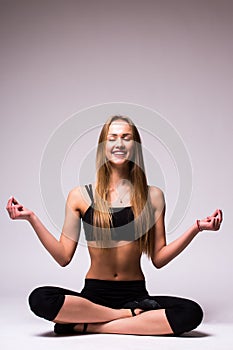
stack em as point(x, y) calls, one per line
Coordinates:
point(123, 218)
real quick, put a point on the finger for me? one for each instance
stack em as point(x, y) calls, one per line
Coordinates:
point(13, 213)
point(220, 215)
point(9, 202)
point(16, 214)
point(213, 223)
point(9, 210)
point(215, 213)
point(217, 223)
point(18, 206)
point(14, 201)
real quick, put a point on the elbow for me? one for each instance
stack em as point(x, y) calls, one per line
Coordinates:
point(64, 262)
point(158, 264)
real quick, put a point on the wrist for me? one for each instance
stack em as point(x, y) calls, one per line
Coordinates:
point(198, 225)
point(31, 217)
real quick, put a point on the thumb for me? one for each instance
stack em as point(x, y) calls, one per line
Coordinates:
point(215, 213)
point(14, 201)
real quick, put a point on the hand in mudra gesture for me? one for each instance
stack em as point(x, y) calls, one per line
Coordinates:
point(212, 222)
point(17, 210)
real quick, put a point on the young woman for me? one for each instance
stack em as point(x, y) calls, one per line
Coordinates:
point(122, 218)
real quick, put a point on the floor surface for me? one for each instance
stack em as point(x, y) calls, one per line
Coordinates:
point(20, 329)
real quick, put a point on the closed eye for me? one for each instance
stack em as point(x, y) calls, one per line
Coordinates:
point(124, 138)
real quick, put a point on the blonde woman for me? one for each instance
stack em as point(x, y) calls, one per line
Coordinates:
point(122, 218)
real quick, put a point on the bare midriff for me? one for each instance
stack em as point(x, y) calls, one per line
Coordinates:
point(120, 263)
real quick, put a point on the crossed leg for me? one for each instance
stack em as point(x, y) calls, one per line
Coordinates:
point(103, 319)
point(152, 322)
point(176, 316)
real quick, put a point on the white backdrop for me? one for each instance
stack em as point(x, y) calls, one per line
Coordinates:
point(175, 57)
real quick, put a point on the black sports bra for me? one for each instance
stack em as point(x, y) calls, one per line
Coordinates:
point(122, 219)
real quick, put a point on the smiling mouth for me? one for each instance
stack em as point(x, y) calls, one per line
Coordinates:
point(119, 153)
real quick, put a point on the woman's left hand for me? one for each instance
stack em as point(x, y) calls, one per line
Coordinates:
point(212, 222)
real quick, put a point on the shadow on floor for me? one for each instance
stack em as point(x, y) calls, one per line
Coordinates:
point(192, 334)
point(195, 334)
point(51, 334)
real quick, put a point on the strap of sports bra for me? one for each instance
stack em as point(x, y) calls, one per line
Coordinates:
point(90, 192)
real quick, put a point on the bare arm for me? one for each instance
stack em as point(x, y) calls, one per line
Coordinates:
point(61, 250)
point(163, 252)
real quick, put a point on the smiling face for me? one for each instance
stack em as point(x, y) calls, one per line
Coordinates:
point(119, 143)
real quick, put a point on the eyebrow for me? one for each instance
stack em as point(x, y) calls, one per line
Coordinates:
point(126, 134)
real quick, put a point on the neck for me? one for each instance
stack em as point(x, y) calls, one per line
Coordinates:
point(118, 175)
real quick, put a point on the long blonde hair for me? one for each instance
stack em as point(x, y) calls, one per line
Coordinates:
point(139, 196)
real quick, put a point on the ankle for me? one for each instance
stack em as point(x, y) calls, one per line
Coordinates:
point(81, 327)
point(131, 312)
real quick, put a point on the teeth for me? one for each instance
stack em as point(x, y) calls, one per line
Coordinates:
point(118, 152)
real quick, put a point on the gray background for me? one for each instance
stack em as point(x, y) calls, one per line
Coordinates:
point(58, 57)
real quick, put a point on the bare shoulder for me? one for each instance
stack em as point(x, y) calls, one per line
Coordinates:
point(157, 197)
point(77, 197)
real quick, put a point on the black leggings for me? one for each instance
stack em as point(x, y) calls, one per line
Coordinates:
point(183, 314)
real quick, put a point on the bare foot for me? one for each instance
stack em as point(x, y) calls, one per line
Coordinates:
point(137, 311)
point(79, 327)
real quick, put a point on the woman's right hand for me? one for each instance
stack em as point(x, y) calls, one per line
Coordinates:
point(17, 210)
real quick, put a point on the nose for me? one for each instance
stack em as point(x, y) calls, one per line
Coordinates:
point(119, 141)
